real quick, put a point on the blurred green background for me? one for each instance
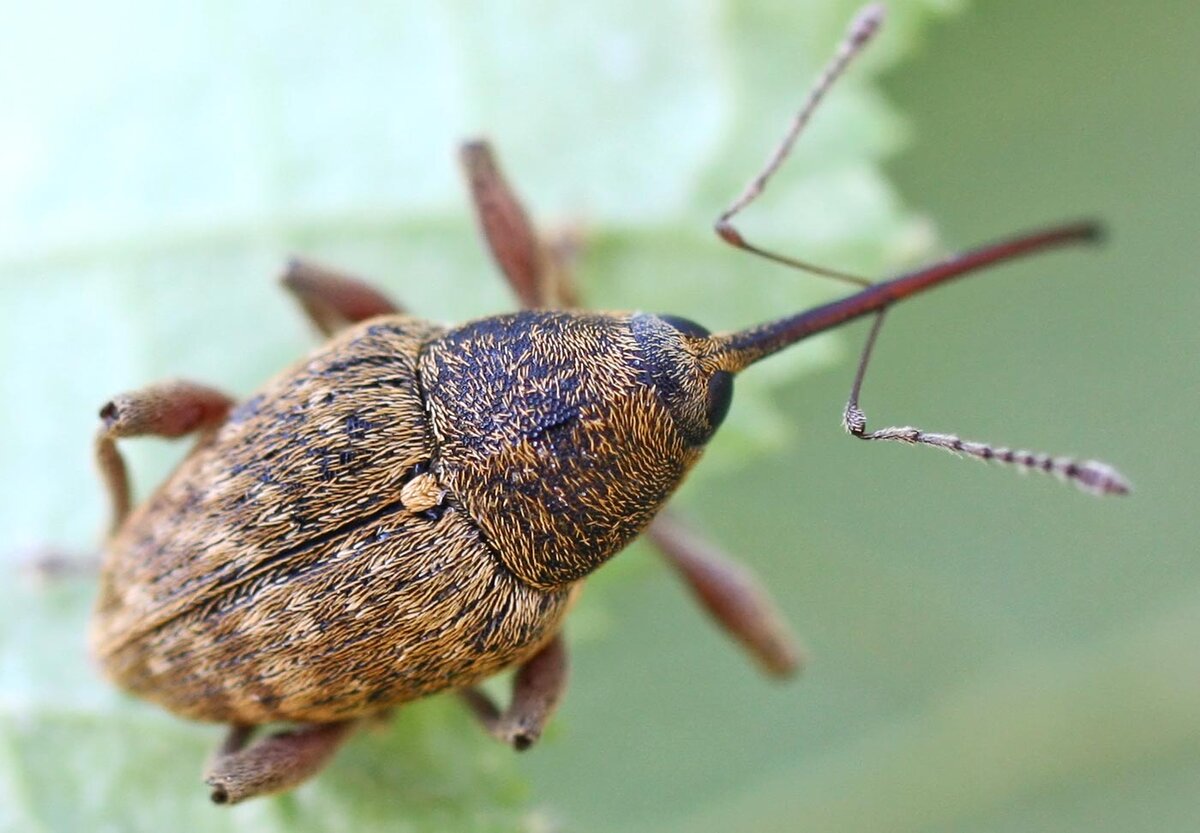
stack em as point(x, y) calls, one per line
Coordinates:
point(989, 652)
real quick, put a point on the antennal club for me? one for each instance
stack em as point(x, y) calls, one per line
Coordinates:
point(734, 351)
point(1092, 476)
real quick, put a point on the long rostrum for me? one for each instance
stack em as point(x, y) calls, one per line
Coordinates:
point(736, 351)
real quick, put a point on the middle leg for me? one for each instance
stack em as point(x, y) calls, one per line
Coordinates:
point(537, 689)
point(333, 300)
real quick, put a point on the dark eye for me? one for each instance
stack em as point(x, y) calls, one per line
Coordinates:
point(720, 386)
point(683, 325)
point(720, 397)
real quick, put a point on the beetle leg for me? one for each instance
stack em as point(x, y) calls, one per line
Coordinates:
point(275, 763)
point(537, 689)
point(562, 248)
point(731, 594)
point(333, 300)
point(505, 225)
point(538, 274)
point(170, 409)
point(50, 564)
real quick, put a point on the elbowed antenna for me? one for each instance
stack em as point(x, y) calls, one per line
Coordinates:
point(736, 351)
point(733, 352)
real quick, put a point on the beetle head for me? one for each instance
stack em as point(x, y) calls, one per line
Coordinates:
point(697, 392)
point(561, 434)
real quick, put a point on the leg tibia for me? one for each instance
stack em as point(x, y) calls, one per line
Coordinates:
point(333, 300)
point(277, 762)
point(171, 409)
point(537, 689)
point(732, 595)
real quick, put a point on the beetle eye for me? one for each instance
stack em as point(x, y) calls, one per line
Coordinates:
point(720, 397)
point(720, 384)
point(685, 326)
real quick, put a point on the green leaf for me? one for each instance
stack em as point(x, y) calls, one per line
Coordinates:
point(158, 162)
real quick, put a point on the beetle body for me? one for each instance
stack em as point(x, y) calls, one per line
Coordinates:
point(408, 509)
point(414, 508)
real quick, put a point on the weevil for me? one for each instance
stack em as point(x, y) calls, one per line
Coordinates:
point(413, 508)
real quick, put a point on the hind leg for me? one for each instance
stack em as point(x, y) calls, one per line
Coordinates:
point(170, 409)
point(273, 764)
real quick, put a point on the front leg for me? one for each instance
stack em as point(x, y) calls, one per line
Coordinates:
point(537, 689)
point(538, 271)
point(731, 594)
point(276, 763)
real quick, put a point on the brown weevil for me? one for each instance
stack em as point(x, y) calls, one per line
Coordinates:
point(413, 507)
